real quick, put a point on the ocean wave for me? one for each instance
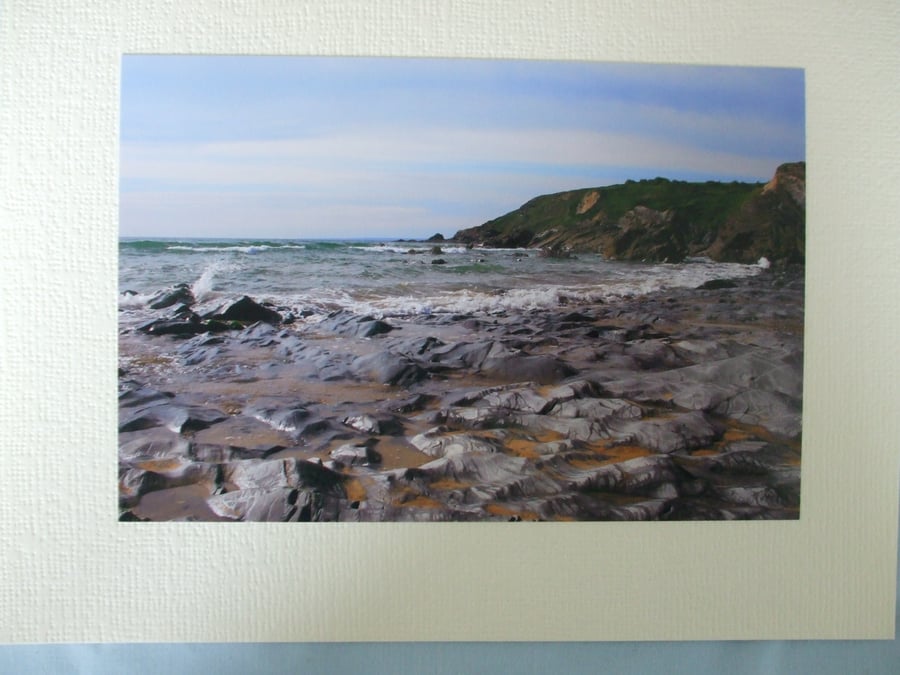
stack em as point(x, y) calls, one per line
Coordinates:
point(417, 247)
point(495, 299)
point(249, 248)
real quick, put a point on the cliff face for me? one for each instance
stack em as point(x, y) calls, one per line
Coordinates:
point(772, 223)
point(662, 220)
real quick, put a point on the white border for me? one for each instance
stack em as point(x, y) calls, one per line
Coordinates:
point(72, 573)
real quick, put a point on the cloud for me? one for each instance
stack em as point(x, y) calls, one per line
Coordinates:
point(367, 156)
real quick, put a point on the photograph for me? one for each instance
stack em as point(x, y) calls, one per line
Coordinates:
point(385, 289)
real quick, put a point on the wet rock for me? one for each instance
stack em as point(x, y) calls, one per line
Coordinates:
point(135, 482)
point(175, 417)
point(437, 442)
point(655, 475)
point(172, 327)
point(464, 354)
point(343, 322)
point(213, 453)
point(364, 423)
point(289, 419)
point(179, 294)
point(415, 403)
point(687, 431)
point(598, 409)
point(520, 399)
point(702, 396)
point(265, 474)
point(777, 412)
point(585, 507)
point(653, 355)
point(380, 424)
point(541, 369)
point(247, 310)
point(351, 455)
point(133, 395)
point(152, 443)
point(717, 284)
point(388, 368)
point(280, 505)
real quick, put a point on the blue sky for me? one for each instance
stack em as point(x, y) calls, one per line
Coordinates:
point(316, 147)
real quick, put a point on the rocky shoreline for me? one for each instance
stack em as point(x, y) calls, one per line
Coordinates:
point(679, 405)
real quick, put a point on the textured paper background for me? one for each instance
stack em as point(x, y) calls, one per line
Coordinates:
point(72, 573)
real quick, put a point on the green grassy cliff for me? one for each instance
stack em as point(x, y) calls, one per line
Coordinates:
point(662, 220)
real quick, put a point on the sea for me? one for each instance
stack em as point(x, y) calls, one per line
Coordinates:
point(391, 278)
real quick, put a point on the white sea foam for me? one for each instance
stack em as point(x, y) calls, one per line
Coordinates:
point(256, 248)
point(509, 294)
point(422, 247)
point(131, 300)
point(202, 288)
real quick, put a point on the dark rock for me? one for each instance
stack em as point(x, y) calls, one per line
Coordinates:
point(716, 284)
point(247, 310)
point(172, 327)
point(576, 317)
point(180, 294)
point(438, 261)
